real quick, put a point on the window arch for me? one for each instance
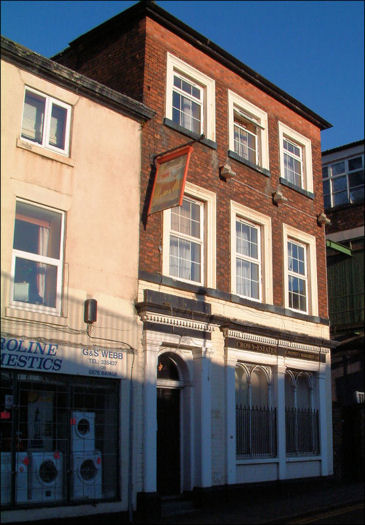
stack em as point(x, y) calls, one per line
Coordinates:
point(167, 368)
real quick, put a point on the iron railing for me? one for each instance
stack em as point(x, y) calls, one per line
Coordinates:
point(302, 431)
point(255, 431)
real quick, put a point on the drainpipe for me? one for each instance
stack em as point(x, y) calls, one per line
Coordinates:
point(130, 463)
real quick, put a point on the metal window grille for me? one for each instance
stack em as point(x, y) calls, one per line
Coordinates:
point(255, 431)
point(59, 440)
point(302, 431)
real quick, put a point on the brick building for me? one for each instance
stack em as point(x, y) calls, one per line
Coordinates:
point(343, 187)
point(232, 370)
point(232, 285)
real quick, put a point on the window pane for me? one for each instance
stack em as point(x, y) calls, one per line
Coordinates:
point(357, 195)
point(338, 168)
point(327, 201)
point(340, 198)
point(355, 164)
point(293, 170)
point(339, 184)
point(356, 179)
point(326, 187)
point(325, 172)
point(58, 127)
point(37, 230)
point(33, 117)
point(35, 282)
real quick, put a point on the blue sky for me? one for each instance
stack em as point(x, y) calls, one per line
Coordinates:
point(313, 50)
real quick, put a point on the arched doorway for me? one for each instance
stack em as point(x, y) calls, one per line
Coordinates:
point(169, 385)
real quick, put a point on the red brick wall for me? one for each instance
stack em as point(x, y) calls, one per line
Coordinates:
point(349, 217)
point(118, 62)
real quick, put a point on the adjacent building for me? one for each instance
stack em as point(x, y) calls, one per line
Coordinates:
point(343, 188)
point(230, 364)
point(70, 167)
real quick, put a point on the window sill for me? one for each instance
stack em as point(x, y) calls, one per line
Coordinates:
point(255, 167)
point(202, 291)
point(170, 124)
point(344, 206)
point(52, 155)
point(25, 313)
point(284, 182)
point(254, 461)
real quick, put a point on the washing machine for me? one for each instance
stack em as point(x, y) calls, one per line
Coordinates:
point(21, 480)
point(46, 476)
point(87, 475)
point(83, 431)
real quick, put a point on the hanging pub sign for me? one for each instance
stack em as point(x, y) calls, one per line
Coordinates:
point(169, 183)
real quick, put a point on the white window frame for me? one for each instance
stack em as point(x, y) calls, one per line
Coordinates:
point(208, 201)
point(206, 84)
point(49, 101)
point(257, 117)
point(305, 145)
point(309, 241)
point(251, 260)
point(300, 276)
point(346, 174)
point(58, 263)
point(263, 222)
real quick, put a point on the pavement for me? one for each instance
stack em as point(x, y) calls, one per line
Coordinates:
point(276, 504)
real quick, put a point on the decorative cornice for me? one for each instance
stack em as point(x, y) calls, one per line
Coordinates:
point(271, 341)
point(151, 317)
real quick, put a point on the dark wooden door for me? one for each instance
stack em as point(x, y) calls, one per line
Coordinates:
point(168, 441)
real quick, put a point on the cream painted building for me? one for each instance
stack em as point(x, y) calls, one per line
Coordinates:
point(70, 162)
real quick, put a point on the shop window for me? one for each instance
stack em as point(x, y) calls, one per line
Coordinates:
point(301, 416)
point(46, 121)
point(255, 416)
point(37, 257)
point(61, 434)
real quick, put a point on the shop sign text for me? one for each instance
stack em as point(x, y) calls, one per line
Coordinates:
point(51, 357)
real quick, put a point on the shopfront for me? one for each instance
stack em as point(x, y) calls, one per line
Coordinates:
point(59, 430)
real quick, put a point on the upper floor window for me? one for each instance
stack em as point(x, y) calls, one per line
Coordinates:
point(251, 254)
point(37, 257)
point(248, 260)
point(300, 284)
point(293, 162)
point(187, 104)
point(295, 159)
point(297, 276)
point(46, 121)
point(248, 133)
point(190, 98)
point(189, 238)
point(187, 241)
point(343, 182)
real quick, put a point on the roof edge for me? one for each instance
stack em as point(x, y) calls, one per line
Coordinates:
point(343, 147)
point(148, 8)
point(50, 70)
